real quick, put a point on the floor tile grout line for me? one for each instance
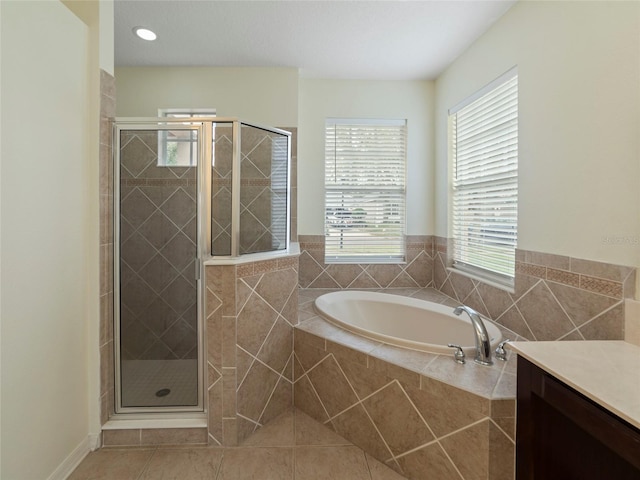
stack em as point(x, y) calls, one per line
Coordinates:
point(155, 455)
point(219, 470)
point(147, 463)
point(348, 443)
point(366, 462)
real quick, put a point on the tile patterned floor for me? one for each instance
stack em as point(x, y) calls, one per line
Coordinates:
point(291, 447)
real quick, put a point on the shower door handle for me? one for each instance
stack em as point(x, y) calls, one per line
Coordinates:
point(197, 272)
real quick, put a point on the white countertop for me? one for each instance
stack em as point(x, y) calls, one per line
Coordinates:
point(607, 372)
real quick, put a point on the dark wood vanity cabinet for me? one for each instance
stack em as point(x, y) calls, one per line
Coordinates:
point(561, 434)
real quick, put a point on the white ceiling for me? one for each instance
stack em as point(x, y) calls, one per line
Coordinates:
point(348, 39)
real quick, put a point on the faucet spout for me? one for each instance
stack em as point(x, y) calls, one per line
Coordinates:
point(483, 345)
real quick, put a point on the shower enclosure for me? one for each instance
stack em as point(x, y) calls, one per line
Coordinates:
point(184, 191)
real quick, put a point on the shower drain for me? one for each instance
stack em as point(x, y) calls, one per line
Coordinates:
point(163, 392)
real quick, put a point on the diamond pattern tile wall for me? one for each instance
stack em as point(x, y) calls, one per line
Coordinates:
point(157, 248)
point(421, 427)
point(251, 310)
point(263, 182)
point(555, 297)
point(416, 273)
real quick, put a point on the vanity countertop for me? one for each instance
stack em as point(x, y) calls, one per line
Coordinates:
point(607, 372)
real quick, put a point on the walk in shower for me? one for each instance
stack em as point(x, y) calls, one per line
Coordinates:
point(184, 191)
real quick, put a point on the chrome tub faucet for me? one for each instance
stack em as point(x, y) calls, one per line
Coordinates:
point(483, 344)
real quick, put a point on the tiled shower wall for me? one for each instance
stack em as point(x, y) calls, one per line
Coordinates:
point(251, 310)
point(107, 112)
point(263, 182)
point(555, 298)
point(157, 251)
point(221, 180)
point(263, 193)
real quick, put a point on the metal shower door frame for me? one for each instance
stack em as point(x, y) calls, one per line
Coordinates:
point(204, 127)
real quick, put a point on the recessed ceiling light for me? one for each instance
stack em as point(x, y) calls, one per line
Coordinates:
point(144, 33)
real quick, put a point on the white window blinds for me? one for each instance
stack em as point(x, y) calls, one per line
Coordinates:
point(484, 150)
point(365, 190)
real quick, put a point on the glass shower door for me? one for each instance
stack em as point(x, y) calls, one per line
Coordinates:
point(264, 186)
point(157, 268)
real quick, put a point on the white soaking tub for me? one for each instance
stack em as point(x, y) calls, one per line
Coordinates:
point(402, 321)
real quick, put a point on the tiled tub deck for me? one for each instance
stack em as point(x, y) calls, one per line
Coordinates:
point(422, 414)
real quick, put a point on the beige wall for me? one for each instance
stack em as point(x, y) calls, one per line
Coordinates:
point(106, 25)
point(412, 100)
point(263, 95)
point(275, 96)
point(579, 114)
point(98, 17)
point(49, 224)
point(45, 344)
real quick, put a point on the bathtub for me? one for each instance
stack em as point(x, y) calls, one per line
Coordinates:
point(402, 321)
point(355, 384)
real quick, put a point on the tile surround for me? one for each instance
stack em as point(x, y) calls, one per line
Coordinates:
point(556, 297)
point(416, 273)
point(157, 248)
point(632, 321)
point(156, 436)
point(107, 113)
point(262, 190)
point(251, 311)
point(288, 312)
point(416, 412)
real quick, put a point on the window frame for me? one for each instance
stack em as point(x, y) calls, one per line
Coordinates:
point(163, 140)
point(499, 236)
point(396, 200)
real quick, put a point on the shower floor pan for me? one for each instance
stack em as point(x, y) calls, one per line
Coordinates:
point(159, 383)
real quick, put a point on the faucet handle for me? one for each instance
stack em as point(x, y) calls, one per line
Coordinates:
point(458, 355)
point(501, 353)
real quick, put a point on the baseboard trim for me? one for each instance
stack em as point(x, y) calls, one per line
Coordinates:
point(73, 460)
point(95, 441)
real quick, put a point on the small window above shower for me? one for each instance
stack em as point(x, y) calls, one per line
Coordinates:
point(179, 148)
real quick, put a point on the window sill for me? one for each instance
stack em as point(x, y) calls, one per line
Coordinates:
point(494, 282)
point(364, 261)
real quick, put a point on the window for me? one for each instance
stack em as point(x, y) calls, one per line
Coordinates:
point(365, 191)
point(179, 148)
point(483, 134)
